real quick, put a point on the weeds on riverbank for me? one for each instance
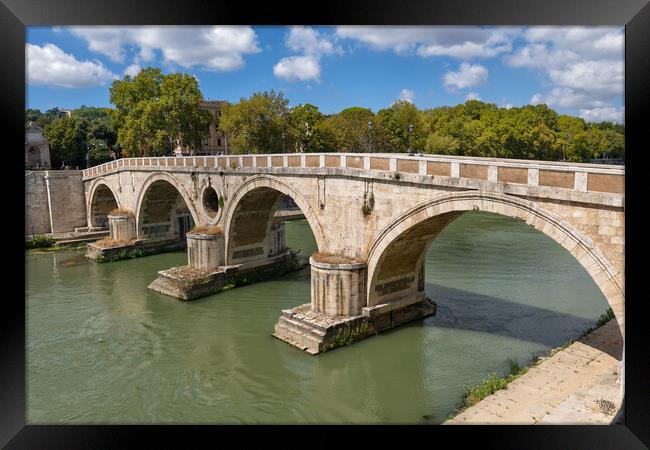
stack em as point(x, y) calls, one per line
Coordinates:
point(40, 241)
point(476, 393)
point(121, 255)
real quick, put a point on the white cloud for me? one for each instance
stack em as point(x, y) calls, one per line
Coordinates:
point(51, 66)
point(313, 45)
point(458, 42)
point(218, 48)
point(468, 75)
point(584, 67)
point(310, 42)
point(298, 68)
point(407, 94)
point(603, 114)
point(593, 76)
point(473, 96)
point(132, 70)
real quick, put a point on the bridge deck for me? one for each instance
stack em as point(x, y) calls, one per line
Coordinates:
point(603, 185)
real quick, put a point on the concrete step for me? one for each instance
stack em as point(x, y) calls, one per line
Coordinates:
point(297, 339)
point(80, 240)
point(301, 327)
point(302, 335)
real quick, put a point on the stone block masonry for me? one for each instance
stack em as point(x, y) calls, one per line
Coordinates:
point(55, 201)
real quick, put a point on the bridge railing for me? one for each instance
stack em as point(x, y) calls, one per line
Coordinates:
point(552, 174)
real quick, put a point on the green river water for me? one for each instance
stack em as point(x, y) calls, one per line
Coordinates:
point(102, 349)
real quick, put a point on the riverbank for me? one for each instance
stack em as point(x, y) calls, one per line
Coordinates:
point(577, 385)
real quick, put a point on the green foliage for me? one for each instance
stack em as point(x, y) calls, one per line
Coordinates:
point(256, 124)
point(368, 203)
point(68, 139)
point(392, 131)
point(40, 241)
point(350, 129)
point(476, 393)
point(43, 119)
point(307, 130)
point(86, 130)
point(123, 254)
point(348, 333)
point(155, 113)
point(605, 317)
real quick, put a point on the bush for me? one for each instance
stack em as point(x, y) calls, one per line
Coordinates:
point(40, 241)
point(605, 317)
point(474, 394)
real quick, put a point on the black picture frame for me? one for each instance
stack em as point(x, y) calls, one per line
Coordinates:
point(15, 15)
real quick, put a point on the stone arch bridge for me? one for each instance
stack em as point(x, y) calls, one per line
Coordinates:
point(373, 217)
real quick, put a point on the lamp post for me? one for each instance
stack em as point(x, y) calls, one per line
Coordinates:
point(245, 141)
point(283, 150)
point(307, 134)
point(410, 139)
point(87, 157)
point(370, 132)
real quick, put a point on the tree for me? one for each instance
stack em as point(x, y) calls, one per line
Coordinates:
point(256, 124)
point(393, 128)
point(350, 128)
point(307, 129)
point(441, 144)
point(156, 112)
point(68, 141)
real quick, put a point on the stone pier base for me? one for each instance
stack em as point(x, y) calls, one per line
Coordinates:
point(316, 332)
point(132, 249)
point(189, 283)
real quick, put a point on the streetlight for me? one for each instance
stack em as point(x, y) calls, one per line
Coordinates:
point(245, 141)
point(370, 131)
point(87, 157)
point(410, 139)
point(283, 150)
point(307, 134)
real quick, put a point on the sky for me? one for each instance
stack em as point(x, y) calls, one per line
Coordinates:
point(575, 70)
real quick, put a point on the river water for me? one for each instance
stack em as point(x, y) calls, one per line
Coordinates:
point(101, 348)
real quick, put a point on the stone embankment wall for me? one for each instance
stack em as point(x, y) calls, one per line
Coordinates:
point(54, 201)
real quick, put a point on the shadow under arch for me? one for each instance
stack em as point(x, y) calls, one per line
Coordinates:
point(145, 188)
point(260, 195)
point(409, 236)
point(164, 210)
point(101, 201)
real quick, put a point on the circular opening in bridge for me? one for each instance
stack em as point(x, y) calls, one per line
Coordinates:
point(210, 201)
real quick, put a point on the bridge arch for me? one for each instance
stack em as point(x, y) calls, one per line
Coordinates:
point(411, 233)
point(101, 201)
point(265, 192)
point(159, 195)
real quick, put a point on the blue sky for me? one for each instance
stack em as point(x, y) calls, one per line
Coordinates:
point(575, 70)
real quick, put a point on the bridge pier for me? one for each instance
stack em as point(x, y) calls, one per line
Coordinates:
point(207, 273)
point(337, 314)
point(122, 227)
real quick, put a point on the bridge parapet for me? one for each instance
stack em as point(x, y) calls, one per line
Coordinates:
point(590, 183)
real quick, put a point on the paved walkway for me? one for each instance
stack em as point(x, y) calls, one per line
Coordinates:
point(573, 386)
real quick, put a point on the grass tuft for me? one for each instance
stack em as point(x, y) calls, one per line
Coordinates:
point(108, 243)
point(212, 231)
point(121, 212)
